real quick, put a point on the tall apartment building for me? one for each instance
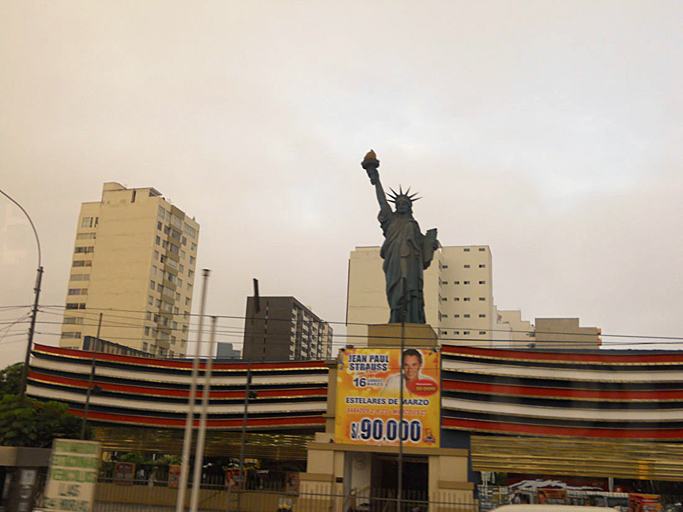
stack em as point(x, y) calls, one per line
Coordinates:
point(282, 329)
point(458, 292)
point(134, 261)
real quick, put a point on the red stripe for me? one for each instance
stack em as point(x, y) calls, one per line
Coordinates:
point(546, 430)
point(180, 393)
point(179, 364)
point(563, 357)
point(501, 389)
point(176, 422)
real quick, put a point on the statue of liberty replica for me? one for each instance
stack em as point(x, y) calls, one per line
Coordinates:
point(406, 252)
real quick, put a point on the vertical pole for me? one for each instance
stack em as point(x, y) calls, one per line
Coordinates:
point(189, 422)
point(242, 481)
point(201, 438)
point(91, 378)
point(31, 332)
point(400, 405)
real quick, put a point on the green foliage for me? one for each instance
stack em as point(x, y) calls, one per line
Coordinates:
point(35, 424)
point(10, 379)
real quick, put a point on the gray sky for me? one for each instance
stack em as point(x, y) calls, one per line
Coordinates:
point(549, 130)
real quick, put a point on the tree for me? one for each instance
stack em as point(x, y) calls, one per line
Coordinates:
point(35, 424)
point(31, 423)
point(10, 379)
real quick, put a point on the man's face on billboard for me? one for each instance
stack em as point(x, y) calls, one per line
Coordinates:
point(411, 367)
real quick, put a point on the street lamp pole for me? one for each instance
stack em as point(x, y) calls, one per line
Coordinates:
point(34, 311)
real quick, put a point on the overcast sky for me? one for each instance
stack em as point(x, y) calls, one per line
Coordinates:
point(550, 131)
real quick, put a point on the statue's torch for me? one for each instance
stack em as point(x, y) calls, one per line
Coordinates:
point(370, 164)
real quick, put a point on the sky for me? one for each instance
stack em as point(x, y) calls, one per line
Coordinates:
point(549, 130)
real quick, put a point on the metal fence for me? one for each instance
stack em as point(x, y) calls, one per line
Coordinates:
point(111, 497)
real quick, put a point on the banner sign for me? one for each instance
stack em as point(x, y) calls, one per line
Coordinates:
point(72, 476)
point(368, 397)
point(124, 473)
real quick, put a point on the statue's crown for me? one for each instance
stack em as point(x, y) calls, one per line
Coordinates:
point(393, 196)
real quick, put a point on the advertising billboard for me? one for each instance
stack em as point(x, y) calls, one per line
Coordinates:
point(368, 397)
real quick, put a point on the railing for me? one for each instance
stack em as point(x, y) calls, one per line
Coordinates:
point(111, 497)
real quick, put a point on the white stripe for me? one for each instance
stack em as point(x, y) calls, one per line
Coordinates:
point(563, 412)
point(139, 377)
point(131, 406)
point(561, 373)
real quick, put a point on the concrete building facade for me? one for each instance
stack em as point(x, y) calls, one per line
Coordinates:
point(564, 333)
point(458, 294)
point(282, 328)
point(134, 261)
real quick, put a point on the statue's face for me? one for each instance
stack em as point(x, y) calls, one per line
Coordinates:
point(403, 206)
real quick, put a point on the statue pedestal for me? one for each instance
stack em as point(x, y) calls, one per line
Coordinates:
point(414, 336)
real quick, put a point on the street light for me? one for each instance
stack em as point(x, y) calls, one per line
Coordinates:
point(34, 311)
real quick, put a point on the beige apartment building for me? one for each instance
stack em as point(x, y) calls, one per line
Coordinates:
point(458, 292)
point(564, 333)
point(134, 261)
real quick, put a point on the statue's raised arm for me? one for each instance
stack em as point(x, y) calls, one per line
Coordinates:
point(370, 164)
point(406, 251)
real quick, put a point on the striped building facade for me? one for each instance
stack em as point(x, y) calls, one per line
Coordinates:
point(592, 413)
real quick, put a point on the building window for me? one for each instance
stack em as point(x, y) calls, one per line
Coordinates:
point(86, 236)
point(160, 287)
point(189, 231)
point(444, 316)
point(174, 249)
point(457, 315)
point(456, 299)
point(444, 266)
point(190, 273)
point(180, 282)
point(167, 230)
point(152, 285)
point(482, 249)
point(482, 333)
point(467, 266)
point(482, 266)
point(456, 332)
point(482, 298)
point(164, 244)
point(444, 299)
point(144, 346)
point(158, 240)
point(482, 282)
point(466, 299)
point(75, 305)
point(175, 234)
point(465, 332)
point(182, 255)
point(89, 222)
point(187, 301)
point(466, 315)
point(456, 282)
point(70, 334)
point(193, 246)
point(482, 316)
point(80, 277)
point(84, 250)
point(146, 334)
point(467, 249)
point(177, 296)
point(162, 212)
point(444, 282)
point(181, 269)
point(78, 320)
point(465, 282)
point(191, 260)
point(159, 225)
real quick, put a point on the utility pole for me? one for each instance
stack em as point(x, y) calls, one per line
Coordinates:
point(34, 311)
point(189, 422)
